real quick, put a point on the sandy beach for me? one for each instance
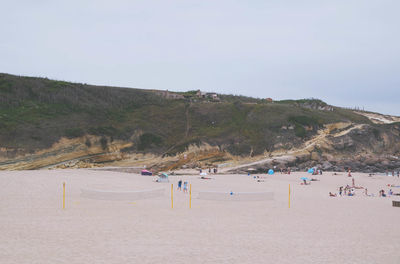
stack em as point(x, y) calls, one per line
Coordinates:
point(316, 229)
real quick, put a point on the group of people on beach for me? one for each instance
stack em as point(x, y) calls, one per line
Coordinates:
point(185, 186)
point(350, 191)
point(393, 174)
point(214, 170)
point(285, 170)
point(347, 190)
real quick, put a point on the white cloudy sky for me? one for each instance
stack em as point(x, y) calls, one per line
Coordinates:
point(345, 52)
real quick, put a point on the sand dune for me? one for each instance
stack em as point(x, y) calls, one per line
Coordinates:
point(316, 229)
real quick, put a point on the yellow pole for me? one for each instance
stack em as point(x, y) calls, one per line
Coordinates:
point(172, 196)
point(190, 196)
point(63, 195)
point(289, 195)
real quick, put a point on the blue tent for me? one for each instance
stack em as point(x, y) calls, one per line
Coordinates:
point(311, 171)
point(270, 171)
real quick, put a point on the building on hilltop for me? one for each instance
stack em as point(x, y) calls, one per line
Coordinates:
point(201, 94)
point(204, 95)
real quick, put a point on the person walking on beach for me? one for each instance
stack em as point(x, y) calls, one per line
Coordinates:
point(340, 190)
point(185, 186)
point(179, 185)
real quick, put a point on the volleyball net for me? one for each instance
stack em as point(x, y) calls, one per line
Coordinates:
point(122, 195)
point(236, 196)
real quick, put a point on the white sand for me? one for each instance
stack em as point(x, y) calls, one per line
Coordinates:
point(316, 229)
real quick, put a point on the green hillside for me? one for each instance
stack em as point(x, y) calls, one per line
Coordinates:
point(36, 112)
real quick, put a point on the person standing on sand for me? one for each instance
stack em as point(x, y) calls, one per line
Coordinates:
point(179, 185)
point(352, 182)
point(349, 173)
point(185, 186)
point(340, 190)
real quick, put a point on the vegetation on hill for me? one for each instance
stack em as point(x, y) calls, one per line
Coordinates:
point(37, 112)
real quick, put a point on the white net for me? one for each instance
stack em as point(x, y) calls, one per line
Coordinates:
point(122, 195)
point(236, 196)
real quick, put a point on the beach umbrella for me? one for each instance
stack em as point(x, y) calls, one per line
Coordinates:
point(304, 179)
point(311, 170)
point(271, 171)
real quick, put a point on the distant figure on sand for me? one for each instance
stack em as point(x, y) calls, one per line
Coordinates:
point(340, 190)
point(352, 182)
point(185, 186)
point(179, 185)
point(332, 195)
point(349, 173)
point(346, 190)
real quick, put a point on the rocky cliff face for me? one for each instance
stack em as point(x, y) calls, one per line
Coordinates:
point(336, 147)
point(339, 147)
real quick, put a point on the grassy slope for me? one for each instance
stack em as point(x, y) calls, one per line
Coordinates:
point(36, 112)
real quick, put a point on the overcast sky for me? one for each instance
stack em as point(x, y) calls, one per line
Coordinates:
point(346, 53)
